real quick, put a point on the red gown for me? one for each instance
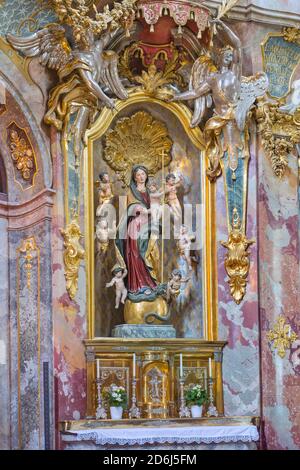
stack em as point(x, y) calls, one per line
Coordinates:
point(138, 276)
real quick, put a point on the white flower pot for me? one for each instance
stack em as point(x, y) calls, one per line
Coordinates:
point(116, 412)
point(196, 411)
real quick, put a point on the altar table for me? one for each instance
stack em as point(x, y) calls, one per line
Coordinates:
point(189, 435)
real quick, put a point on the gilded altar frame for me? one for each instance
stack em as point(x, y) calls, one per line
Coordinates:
point(100, 127)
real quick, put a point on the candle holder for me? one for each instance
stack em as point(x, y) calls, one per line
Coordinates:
point(184, 412)
point(100, 411)
point(134, 412)
point(212, 410)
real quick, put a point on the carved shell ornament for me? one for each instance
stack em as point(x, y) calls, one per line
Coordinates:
point(139, 139)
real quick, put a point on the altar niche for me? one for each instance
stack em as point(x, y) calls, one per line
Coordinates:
point(129, 149)
point(192, 310)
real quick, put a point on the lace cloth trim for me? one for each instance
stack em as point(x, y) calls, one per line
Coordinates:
point(100, 439)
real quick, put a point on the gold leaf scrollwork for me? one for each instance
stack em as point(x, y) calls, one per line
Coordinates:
point(237, 261)
point(28, 247)
point(291, 34)
point(152, 79)
point(280, 133)
point(137, 139)
point(281, 336)
point(78, 17)
point(22, 153)
point(73, 255)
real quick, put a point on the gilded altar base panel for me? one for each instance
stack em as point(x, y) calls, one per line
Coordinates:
point(157, 371)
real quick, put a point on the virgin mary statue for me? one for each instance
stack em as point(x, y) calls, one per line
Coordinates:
point(138, 252)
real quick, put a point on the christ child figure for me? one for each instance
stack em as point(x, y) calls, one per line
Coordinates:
point(171, 194)
point(184, 245)
point(174, 284)
point(105, 193)
point(119, 275)
point(155, 201)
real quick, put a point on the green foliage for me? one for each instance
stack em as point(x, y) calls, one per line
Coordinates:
point(116, 396)
point(195, 395)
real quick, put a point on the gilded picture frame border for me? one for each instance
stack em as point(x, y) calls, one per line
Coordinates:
point(210, 281)
point(262, 44)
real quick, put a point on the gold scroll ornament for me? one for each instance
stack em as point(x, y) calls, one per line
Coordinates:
point(237, 261)
point(280, 133)
point(281, 336)
point(73, 254)
point(154, 81)
point(28, 247)
point(280, 128)
point(22, 153)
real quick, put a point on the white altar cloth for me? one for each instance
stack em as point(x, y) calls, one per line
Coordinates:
point(165, 435)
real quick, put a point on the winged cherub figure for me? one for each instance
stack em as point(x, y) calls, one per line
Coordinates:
point(232, 95)
point(83, 71)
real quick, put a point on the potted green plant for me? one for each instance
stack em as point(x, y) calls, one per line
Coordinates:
point(196, 397)
point(116, 397)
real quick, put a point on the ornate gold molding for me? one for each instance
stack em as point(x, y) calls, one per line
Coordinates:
point(291, 34)
point(280, 133)
point(77, 15)
point(22, 152)
point(97, 131)
point(281, 336)
point(73, 254)
point(28, 305)
point(76, 48)
point(137, 139)
point(155, 73)
point(28, 246)
point(237, 261)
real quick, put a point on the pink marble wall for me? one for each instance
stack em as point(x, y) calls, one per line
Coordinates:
point(273, 219)
point(279, 5)
point(238, 324)
point(26, 320)
point(69, 315)
point(278, 219)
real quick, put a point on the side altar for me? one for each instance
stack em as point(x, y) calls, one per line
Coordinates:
point(152, 109)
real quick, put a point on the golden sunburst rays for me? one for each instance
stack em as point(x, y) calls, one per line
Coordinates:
point(138, 139)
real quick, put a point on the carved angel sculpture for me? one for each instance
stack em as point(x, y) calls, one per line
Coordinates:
point(83, 72)
point(232, 96)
